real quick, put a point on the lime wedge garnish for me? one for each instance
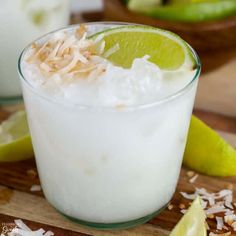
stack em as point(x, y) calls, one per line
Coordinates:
point(193, 222)
point(193, 12)
point(166, 49)
point(207, 152)
point(15, 141)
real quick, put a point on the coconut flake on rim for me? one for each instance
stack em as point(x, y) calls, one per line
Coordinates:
point(66, 54)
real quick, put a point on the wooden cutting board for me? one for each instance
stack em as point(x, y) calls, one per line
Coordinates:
point(18, 202)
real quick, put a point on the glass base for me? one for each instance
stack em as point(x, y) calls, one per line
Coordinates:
point(116, 226)
point(10, 100)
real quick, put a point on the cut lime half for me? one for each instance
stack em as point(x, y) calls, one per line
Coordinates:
point(166, 49)
point(15, 141)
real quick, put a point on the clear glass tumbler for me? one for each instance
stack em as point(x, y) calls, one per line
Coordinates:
point(109, 168)
point(21, 22)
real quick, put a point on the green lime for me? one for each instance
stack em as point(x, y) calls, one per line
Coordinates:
point(165, 49)
point(193, 222)
point(139, 4)
point(207, 152)
point(189, 1)
point(193, 12)
point(15, 141)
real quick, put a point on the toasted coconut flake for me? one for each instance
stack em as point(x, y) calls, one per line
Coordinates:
point(181, 206)
point(193, 179)
point(215, 210)
point(220, 223)
point(224, 234)
point(111, 50)
point(99, 38)
point(225, 227)
point(71, 54)
point(229, 205)
point(19, 223)
point(188, 196)
point(170, 207)
point(31, 173)
point(210, 216)
point(230, 186)
point(234, 226)
point(229, 201)
point(80, 31)
point(49, 233)
point(224, 193)
point(45, 67)
point(190, 174)
point(101, 47)
point(183, 211)
point(35, 188)
point(229, 219)
point(229, 212)
point(22, 229)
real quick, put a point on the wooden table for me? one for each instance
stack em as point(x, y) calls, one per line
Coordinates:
point(215, 104)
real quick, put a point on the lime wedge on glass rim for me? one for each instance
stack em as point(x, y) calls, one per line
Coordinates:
point(193, 222)
point(15, 141)
point(166, 49)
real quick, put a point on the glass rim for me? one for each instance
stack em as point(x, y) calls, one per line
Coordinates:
point(161, 101)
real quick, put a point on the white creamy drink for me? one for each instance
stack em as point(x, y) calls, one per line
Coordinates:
point(108, 140)
point(21, 22)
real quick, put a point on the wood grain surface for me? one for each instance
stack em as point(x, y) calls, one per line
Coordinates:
point(18, 202)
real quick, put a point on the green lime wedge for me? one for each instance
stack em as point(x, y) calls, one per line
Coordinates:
point(193, 222)
point(139, 4)
point(189, 1)
point(15, 141)
point(165, 49)
point(207, 152)
point(193, 12)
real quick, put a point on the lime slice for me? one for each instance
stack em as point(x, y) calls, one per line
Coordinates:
point(193, 222)
point(207, 152)
point(139, 4)
point(15, 141)
point(193, 12)
point(166, 49)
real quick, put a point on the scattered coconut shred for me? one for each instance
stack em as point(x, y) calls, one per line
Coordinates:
point(35, 188)
point(21, 229)
point(218, 206)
